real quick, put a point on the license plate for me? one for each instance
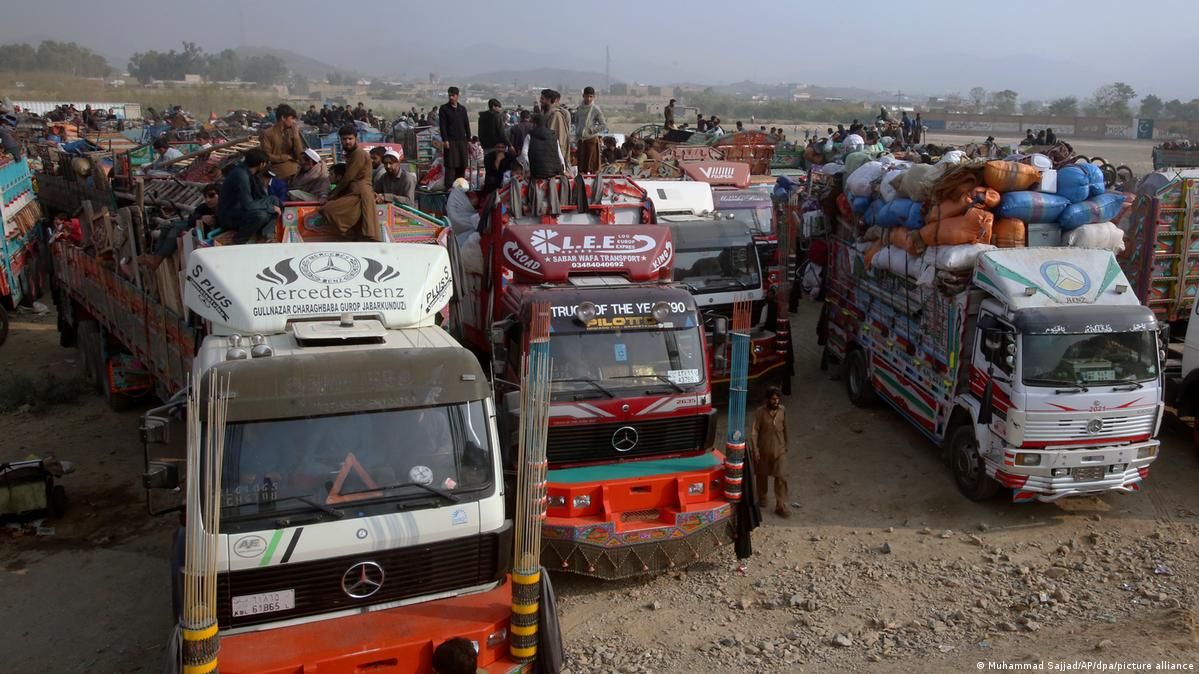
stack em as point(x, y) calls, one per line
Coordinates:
point(267, 602)
point(1089, 473)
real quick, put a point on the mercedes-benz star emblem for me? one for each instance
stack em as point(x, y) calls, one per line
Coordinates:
point(362, 580)
point(330, 267)
point(624, 439)
point(1094, 426)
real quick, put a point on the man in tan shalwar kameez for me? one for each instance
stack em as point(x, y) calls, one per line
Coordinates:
point(351, 205)
point(283, 144)
point(768, 445)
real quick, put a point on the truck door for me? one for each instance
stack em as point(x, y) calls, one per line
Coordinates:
point(994, 360)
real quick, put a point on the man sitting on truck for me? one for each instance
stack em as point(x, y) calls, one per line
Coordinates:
point(395, 184)
point(243, 206)
point(168, 235)
point(351, 204)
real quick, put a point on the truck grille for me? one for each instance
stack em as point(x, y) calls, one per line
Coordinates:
point(1051, 428)
point(574, 444)
point(409, 572)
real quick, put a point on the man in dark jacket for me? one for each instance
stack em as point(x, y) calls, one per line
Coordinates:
point(454, 124)
point(491, 127)
point(518, 131)
point(541, 151)
point(244, 206)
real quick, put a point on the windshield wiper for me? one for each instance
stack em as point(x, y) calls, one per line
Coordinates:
point(1126, 384)
point(664, 378)
point(323, 507)
point(1076, 386)
point(594, 383)
point(429, 488)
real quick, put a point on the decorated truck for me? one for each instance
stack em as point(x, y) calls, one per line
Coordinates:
point(718, 258)
point(633, 484)
point(1040, 372)
point(360, 497)
point(1161, 231)
point(21, 277)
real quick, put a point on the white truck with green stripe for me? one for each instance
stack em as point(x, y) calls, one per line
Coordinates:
point(1038, 370)
point(362, 517)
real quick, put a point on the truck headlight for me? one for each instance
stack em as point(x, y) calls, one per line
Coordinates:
point(497, 637)
point(557, 501)
point(1147, 451)
point(582, 501)
point(695, 488)
point(1028, 459)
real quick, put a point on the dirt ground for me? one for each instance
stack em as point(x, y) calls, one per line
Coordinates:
point(884, 567)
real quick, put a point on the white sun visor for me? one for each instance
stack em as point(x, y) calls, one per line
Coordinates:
point(259, 288)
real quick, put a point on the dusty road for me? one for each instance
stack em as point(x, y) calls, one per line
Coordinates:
point(883, 567)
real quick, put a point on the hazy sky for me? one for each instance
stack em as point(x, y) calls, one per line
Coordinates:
point(1040, 48)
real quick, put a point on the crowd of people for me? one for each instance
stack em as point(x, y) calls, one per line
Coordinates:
point(1040, 137)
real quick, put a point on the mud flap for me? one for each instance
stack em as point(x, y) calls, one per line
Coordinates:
point(549, 632)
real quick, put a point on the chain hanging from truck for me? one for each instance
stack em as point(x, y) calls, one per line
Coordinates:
point(531, 494)
point(206, 414)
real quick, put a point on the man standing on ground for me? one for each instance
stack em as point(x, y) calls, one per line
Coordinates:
point(282, 143)
point(351, 204)
point(591, 124)
point(557, 120)
point(668, 115)
point(454, 124)
point(768, 444)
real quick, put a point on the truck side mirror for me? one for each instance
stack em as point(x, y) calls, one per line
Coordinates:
point(161, 475)
point(720, 329)
point(499, 350)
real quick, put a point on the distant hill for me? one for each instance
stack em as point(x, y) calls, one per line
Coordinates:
point(546, 77)
point(299, 64)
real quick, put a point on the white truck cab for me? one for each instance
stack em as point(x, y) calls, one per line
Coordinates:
point(1072, 360)
point(361, 473)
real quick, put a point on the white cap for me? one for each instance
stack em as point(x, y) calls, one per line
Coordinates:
point(393, 153)
point(311, 154)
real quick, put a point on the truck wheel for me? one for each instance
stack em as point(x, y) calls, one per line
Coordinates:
point(969, 470)
point(90, 368)
point(3, 325)
point(857, 382)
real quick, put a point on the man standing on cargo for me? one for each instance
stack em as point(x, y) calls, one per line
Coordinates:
point(768, 445)
point(668, 115)
point(454, 124)
point(591, 124)
point(557, 119)
point(282, 143)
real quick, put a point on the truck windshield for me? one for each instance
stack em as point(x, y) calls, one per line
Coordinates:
point(596, 363)
point(1089, 359)
point(335, 465)
point(718, 269)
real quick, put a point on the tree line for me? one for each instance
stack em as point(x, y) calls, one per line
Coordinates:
point(51, 56)
point(226, 65)
point(1109, 100)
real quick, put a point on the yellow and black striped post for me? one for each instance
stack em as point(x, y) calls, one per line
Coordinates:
point(200, 649)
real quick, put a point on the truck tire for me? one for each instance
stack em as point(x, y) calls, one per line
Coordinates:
point(90, 368)
point(857, 381)
point(969, 470)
